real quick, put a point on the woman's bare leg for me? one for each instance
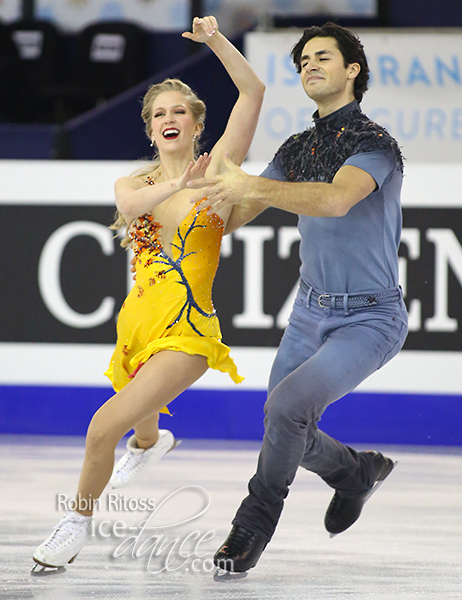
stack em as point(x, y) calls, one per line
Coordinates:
point(164, 377)
point(147, 431)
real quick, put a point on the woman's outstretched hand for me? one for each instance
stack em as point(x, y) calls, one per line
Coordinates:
point(133, 267)
point(195, 170)
point(202, 29)
point(222, 190)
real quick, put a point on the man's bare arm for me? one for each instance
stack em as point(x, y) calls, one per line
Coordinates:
point(316, 199)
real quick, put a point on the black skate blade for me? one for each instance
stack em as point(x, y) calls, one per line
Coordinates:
point(377, 484)
point(221, 575)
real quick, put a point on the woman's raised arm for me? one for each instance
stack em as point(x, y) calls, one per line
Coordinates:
point(243, 119)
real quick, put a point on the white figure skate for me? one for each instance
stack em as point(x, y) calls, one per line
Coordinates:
point(136, 460)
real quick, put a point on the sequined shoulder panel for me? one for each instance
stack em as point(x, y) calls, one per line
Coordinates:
point(317, 156)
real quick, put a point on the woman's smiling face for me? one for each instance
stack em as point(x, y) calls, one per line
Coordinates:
point(172, 123)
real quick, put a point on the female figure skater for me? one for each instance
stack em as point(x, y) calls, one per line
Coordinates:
point(167, 332)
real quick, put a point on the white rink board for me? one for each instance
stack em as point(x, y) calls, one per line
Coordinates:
point(92, 182)
point(83, 365)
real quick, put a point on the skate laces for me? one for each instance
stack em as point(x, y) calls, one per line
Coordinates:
point(130, 463)
point(337, 504)
point(238, 541)
point(66, 531)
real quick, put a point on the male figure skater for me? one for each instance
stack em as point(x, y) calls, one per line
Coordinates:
point(343, 178)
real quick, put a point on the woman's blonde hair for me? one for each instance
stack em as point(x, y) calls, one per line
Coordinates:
point(198, 110)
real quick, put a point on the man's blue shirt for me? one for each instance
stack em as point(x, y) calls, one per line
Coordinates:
point(355, 253)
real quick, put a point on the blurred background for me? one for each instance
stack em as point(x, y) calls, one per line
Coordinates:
point(72, 75)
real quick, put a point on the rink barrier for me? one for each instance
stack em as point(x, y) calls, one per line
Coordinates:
point(362, 418)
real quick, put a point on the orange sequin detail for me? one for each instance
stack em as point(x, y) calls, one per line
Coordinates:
point(145, 235)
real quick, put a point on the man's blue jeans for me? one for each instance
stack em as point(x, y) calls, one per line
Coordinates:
point(323, 355)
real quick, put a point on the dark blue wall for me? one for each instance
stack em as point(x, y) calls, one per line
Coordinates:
point(228, 414)
point(425, 13)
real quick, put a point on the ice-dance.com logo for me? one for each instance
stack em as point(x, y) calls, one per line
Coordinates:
point(156, 538)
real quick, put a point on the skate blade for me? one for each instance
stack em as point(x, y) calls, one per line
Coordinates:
point(377, 484)
point(175, 444)
point(222, 575)
point(39, 570)
point(52, 568)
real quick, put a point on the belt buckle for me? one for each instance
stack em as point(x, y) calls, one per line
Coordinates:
point(320, 301)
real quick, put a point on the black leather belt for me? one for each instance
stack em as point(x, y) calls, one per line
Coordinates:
point(346, 301)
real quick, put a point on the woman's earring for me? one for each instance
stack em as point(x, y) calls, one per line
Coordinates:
point(194, 137)
point(152, 142)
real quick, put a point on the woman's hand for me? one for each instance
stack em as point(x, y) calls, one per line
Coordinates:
point(202, 29)
point(133, 267)
point(194, 170)
point(222, 190)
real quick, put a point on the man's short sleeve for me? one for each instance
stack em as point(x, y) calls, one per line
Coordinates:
point(378, 164)
point(274, 170)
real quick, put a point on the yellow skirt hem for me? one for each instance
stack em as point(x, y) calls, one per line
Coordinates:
point(216, 353)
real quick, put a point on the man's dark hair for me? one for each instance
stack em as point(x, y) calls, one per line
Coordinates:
point(349, 45)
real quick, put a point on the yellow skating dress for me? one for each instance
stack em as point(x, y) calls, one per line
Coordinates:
point(170, 306)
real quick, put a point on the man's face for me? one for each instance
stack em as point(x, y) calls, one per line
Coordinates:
point(323, 73)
